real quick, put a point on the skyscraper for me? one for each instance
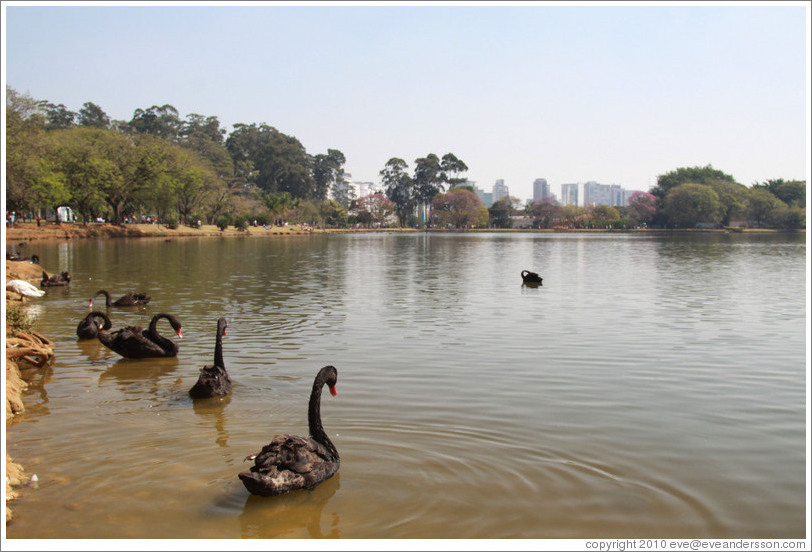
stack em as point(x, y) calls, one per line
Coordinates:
point(541, 190)
point(500, 190)
point(569, 194)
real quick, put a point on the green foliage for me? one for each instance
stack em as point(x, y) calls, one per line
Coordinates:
point(240, 223)
point(16, 319)
point(691, 203)
point(500, 212)
point(698, 175)
point(172, 220)
point(222, 222)
point(399, 188)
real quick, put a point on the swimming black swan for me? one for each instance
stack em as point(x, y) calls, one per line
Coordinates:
point(89, 327)
point(61, 279)
point(136, 342)
point(214, 380)
point(129, 299)
point(291, 462)
point(530, 277)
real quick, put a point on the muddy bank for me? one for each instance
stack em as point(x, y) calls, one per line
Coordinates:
point(23, 232)
point(26, 352)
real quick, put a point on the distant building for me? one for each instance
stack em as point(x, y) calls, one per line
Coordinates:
point(500, 190)
point(604, 194)
point(541, 190)
point(569, 194)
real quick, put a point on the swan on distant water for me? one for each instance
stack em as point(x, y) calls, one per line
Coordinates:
point(214, 380)
point(291, 462)
point(530, 277)
point(129, 299)
point(61, 279)
point(136, 342)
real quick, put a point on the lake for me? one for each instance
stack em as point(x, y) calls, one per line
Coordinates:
point(653, 386)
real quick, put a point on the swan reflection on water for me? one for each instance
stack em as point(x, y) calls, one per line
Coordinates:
point(213, 410)
point(293, 515)
point(126, 372)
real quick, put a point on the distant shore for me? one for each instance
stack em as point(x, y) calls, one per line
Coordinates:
point(28, 231)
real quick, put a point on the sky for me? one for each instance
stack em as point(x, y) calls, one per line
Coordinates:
point(604, 92)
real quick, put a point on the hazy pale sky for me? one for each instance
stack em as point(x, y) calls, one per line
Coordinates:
point(614, 93)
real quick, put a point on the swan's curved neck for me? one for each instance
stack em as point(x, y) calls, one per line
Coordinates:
point(314, 418)
point(154, 336)
point(106, 297)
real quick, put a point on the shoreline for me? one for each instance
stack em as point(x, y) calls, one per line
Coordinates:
point(29, 231)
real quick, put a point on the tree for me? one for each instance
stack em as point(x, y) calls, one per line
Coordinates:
point(272, 160)
point(459, 208)
point(204, 136)
point(328, 173)
point(501, 211)
point(431, 175)
point(732, 198)
point(642, 206)
point(374, 208)
point(792, 193)
point(278, 203)
point(545, 212)
point(399, 188)
point(58, 116)
point(603, 215)
point(698, 175)
point(25, 135)
point(691, 203)
point(91, 115)
point(761, 205)
point(161, 121)
point(451, 165)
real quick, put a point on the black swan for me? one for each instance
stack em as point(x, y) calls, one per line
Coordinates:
point(89, 327)
point(291, 462)
point(530, 277)
point(136, 342)
point(214, 380)
point(61, 279)
point(129, 299)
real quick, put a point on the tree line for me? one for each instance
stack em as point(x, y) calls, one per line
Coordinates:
point(184, 169)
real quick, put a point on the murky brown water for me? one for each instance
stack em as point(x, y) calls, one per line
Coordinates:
point(653, 386)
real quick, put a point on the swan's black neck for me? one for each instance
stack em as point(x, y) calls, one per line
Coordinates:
point(155, 337)
point(98, 314)
point(314, 417)
point(106, 296)
point(218, 344)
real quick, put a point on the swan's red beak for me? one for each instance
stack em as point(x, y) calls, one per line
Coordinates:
point(333, 391)
point(180, 336)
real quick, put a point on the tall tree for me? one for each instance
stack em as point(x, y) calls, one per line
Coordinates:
point(204, 136)
point(328, 174)
point(272, 160)
point(161, 121)
point(399, 188)
point(25, 135)
point(91, 115)
point(58, 116)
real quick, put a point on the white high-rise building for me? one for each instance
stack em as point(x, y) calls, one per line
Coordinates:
point(500, 190)
point(569, 194)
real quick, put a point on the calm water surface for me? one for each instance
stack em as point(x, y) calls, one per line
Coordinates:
point(654, 386)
